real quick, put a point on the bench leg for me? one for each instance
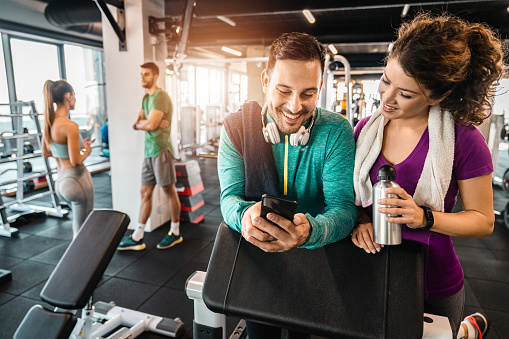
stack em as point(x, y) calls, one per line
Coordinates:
point(138, 322)
point(436, 327)
point(206, 324)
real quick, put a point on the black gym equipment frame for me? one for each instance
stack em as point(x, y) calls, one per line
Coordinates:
point(118, 27)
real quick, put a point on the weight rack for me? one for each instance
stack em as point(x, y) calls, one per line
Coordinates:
point(19, 204)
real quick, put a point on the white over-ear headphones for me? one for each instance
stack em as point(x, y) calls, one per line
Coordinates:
point(271, 132)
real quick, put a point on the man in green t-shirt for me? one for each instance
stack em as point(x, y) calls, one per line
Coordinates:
point(158, 166)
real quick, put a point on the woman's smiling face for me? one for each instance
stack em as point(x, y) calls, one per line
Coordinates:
point(401, 96)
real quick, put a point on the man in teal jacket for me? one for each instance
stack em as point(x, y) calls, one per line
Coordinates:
point(292, 149)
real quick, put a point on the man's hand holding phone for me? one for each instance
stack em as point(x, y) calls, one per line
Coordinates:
point(276, 233)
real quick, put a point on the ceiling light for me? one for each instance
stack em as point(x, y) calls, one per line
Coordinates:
point(309, 16)
point(227, 20)
point(404, 12)
point(333, 49)
point(231, 50)
point(209, 53)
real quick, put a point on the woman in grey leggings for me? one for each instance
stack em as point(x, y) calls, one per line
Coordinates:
point(75, 186)
point(62, 140)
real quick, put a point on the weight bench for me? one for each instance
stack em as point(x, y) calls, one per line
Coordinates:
point(333, 291)
point(74, 279)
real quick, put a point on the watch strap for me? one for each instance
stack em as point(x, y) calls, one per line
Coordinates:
point(430, 220)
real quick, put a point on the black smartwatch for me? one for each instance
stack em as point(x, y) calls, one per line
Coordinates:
point(361, 219)
point(428, 214)
point(134, 126)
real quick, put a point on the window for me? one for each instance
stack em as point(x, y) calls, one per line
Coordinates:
point(33, 64)
point(187, 93)
point(5, 123)
point(4, 95)
point(501, 100)
point(202, 86)
point(85, 73)
point(215, 86)
point(209, 86)
point(238, 91)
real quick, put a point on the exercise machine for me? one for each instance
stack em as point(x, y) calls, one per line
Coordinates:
point(24, 181)
point(70, 288)
point(333, 291)
point(5, 276)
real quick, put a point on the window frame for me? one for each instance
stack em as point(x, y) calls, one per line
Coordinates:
point(8, 36)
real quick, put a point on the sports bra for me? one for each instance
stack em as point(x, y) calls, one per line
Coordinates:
point(61, 150)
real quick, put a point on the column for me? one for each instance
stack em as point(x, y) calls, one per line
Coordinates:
point(124, 96)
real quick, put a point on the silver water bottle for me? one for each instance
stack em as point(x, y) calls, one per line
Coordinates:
point(384, 232)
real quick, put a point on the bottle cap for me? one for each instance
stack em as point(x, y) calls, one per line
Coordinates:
point(386, 172)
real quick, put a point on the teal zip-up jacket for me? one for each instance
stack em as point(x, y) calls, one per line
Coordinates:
point(320, 179)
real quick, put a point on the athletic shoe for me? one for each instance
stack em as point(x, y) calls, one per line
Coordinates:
point(129, 243)
point(170, 240)
point(480, 323)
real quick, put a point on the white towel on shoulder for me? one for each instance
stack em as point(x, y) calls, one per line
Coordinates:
point(437, 171)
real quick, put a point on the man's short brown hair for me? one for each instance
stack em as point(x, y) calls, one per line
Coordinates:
point(296, 46)
point(152, 66)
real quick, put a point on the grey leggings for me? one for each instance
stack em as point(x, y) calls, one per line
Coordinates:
point(450, 307)
point(74, 185)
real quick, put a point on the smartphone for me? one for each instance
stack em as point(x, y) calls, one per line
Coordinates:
point(281, 206)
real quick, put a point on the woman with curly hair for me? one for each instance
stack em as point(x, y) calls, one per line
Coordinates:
point(437, 85)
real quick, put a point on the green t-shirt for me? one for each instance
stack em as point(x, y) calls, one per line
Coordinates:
point(159, 140)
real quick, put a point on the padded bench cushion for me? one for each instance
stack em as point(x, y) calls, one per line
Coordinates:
point(334, 291)
point(81, 267)
point(41, 323)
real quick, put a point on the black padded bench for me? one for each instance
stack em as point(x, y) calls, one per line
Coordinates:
point(76, 276)
point(334, 291)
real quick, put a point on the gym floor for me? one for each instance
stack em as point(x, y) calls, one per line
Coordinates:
point(153, 280)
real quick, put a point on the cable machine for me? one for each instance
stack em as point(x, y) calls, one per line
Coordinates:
point(203, 126)
point(192, 125)
point(19, 156)
point(327, 96)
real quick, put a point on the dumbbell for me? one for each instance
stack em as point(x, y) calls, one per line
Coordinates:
point(27, 167)
point(28, 148)
point(28, 185)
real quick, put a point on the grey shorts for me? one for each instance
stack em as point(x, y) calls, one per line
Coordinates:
point(159, 170)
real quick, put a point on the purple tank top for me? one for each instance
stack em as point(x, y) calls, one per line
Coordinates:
point(443, 275)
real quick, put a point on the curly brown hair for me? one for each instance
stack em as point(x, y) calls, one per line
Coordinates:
point(452, 58)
